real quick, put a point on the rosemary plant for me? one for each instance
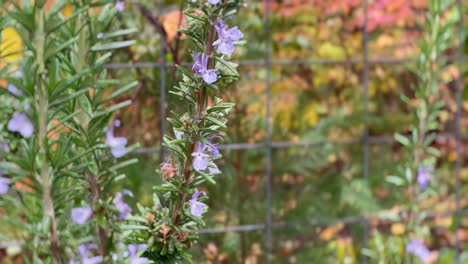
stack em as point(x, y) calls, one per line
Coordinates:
point(169, 227)
point(61, 159)
point(417, 172)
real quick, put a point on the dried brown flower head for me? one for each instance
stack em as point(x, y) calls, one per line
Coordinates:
point(168, 169)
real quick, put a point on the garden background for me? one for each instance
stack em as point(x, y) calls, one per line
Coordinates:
point(310, 140)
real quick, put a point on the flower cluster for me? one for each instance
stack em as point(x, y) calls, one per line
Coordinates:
point(417, 247)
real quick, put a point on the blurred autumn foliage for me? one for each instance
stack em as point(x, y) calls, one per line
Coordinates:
point(318, 96)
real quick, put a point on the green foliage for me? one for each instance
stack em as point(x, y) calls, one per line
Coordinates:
point(65, 90)
point(427, 110)
point(169, 227)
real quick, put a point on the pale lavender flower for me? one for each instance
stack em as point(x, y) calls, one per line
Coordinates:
point(100, 35)
point(179, 134)
point(214, 2)
point(418, 248)
point(226, 37)
point(20, 123)
point(85, 259)
point(4, 183)
point(214, 150)
point(117, 123)
point(18, 74)
point(121, 206)
point(200, 161)
point(213, 169)
point(133, 253)
point(424, 177)
point(201, 68)
point(81, 215)
point(5, 147)
point(120, 5)
point(213, 147)
point(117, 144)
point(14, 90)
point(197, 208)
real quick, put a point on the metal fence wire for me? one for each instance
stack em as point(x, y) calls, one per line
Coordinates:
point(365, 141)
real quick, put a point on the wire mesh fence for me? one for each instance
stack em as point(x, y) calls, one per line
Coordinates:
point(268, 145)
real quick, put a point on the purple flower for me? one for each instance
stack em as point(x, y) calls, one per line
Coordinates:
point(121, 206)
point(418, 248)
point(4, 183)
point(117, 144)
point(133, 252)
point(213, 169)
point(14, 90)
point(81, 215)
point(226, 37)
point(424, 177)
point(214, 2)
point(179, 134)
point(197, 208)
point(213, 147)
point(117, 123)
point(18, 74)
point(20, 123)
point(200, 67)
point(85, 259)
point(100, 35)
point(200, 162)
point(5, 147)
point(214, 150)
point(120, 5)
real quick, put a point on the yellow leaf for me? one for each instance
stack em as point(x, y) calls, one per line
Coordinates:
point(311, 116)
point(10, 43)
point(331, 51)
point(67, 11)
point(398, 229)
point(330, 232)
point(452, 156)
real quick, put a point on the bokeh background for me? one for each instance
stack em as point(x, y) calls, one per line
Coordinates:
point(330, 88)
